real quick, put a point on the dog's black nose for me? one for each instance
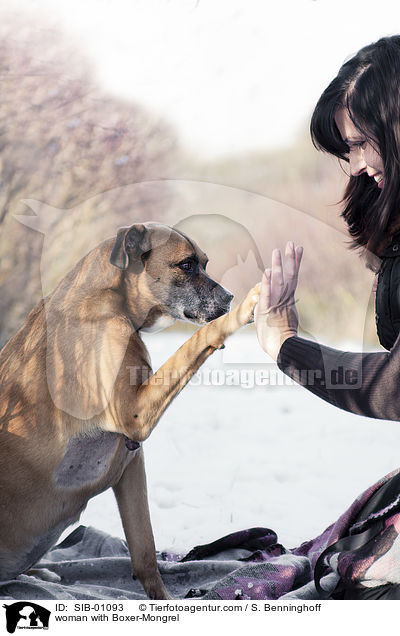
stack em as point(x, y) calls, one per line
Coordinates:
point(226, 297)
point(223, 295)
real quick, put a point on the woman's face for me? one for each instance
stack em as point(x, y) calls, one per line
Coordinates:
point(363, 157)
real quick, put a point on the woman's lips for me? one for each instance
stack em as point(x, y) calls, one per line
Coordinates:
point(379, 179)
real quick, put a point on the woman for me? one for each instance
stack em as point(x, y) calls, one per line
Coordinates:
point(356, 119)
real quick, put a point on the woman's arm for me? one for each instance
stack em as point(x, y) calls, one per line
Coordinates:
point(363, 383)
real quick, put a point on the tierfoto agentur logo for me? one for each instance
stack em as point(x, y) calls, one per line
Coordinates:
point(26, 615)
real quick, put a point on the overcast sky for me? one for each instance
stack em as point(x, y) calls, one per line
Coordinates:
point(230, 75)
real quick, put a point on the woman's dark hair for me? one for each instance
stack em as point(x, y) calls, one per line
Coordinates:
point(368, 86)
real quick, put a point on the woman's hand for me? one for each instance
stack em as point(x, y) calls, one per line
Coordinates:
point(275, 315)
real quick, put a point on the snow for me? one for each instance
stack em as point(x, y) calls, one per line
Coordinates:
point(224, 458)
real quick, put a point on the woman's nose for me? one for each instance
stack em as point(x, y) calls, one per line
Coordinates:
point(357, 162)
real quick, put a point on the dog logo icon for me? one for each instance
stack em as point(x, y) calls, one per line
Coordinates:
point(26, 615)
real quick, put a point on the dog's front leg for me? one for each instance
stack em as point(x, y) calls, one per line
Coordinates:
point(131, 495)
point(155, 395)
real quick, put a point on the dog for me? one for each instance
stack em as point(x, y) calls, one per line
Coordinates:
point(72, 420)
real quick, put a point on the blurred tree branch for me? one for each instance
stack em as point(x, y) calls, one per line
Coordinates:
point(61, 142)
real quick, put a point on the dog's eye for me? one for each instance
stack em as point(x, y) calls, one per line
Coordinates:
point(187, 266)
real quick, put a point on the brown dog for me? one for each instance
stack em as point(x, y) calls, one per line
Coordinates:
point(71, 417)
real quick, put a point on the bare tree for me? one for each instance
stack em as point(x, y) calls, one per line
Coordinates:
point(61, 142)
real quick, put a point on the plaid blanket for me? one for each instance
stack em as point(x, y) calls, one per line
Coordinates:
point(358, 549)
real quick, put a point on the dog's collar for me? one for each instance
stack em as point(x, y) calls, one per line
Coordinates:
point(130, 444)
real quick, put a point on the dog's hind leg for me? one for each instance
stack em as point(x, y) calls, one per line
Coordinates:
point(131, 495)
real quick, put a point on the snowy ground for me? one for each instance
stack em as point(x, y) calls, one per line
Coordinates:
point(225, 458)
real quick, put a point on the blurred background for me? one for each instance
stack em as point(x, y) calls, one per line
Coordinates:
point(192, 113)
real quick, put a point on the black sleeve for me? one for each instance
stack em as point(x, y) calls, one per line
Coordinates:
point(363, 383)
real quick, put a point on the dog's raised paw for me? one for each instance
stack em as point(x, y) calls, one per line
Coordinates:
point(246, 307)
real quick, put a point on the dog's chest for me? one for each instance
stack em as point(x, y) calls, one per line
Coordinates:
point(93, 462)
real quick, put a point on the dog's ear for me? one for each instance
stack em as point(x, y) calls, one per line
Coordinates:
point(119, 256)
point(130, 245)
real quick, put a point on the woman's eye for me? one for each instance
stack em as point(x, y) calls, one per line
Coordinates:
point(357, 144)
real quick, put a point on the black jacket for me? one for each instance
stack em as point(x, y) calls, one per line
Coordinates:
point(363, 383)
